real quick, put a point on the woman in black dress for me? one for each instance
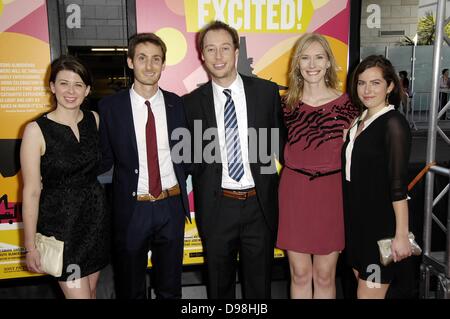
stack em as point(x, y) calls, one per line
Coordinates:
point(375, 162)
point(61, 195)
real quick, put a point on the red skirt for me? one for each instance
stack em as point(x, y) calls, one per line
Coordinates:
point(311, 218)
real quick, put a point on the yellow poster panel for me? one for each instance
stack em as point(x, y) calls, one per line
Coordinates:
point(12, 254)
point(24, 91)
point(24, 94)
point(286, 16)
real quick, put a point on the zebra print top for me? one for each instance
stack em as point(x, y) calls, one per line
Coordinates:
point(315, 134)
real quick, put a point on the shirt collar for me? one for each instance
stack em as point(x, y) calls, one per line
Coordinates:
point(236, 87)
point(384, 110)
point(140, 100)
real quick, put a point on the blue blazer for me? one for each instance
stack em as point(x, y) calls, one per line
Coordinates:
point(119, 149)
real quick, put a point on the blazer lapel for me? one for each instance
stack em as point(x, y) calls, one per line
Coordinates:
point(251, 96)
point(128, 121)
point(169, 116)
point(210, 115)
point(208, 106)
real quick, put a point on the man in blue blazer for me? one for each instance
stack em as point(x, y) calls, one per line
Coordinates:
point(149, 184)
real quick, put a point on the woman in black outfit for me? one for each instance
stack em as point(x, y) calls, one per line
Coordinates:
point(375, 162)
point(61, 195)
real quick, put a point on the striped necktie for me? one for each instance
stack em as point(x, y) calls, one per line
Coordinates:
point(234, 156)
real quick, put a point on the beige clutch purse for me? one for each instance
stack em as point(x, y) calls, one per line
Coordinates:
point(385, 247)
point(51, 251)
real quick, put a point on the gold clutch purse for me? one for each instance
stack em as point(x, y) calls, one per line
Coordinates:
point(51, 253)
point(385, 247)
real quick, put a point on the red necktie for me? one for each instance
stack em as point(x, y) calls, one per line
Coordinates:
point(154, 177)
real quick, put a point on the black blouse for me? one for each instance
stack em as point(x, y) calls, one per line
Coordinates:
point(398, 148)
point(381, 154)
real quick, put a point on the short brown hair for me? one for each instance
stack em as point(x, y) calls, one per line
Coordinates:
point(217, 25)
point(70, 63)
point(145, 37)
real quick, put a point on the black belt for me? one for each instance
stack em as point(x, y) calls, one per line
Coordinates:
point(314, 175)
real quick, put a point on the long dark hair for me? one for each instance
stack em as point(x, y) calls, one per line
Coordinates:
point(389, 75)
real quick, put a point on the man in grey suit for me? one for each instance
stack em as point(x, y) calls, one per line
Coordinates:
point(234, 177)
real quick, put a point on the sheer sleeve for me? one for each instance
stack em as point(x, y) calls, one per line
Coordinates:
point(398, 147)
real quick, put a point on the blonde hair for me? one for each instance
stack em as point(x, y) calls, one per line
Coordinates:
point(296, 81)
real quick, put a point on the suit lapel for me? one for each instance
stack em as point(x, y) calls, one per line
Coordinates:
point(208, 106)
point(250, 98)
point(210, 116)
point(169, 115)
point(128, 120)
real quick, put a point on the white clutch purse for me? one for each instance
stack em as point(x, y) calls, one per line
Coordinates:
point(51, 252)
point(385, 247)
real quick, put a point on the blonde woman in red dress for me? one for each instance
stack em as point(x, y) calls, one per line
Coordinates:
point(316, 113)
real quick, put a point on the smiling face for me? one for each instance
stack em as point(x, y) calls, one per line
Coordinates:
point(147, 64)
point(314, 63)
point(220, 56)
point(69, 89)
point(373, 88)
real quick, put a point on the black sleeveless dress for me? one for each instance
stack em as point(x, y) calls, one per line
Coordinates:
point(72, 205)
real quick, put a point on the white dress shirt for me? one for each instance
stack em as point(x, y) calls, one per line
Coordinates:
point(140, 114)
point(352, 136)
point(238, 95)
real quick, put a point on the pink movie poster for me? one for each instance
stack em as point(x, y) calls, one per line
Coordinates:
point(268, 31)
point(267, 34)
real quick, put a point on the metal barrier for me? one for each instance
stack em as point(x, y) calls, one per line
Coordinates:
point(437, 262)
point(418, 110)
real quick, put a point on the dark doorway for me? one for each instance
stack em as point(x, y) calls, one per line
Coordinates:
point(109, 70)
